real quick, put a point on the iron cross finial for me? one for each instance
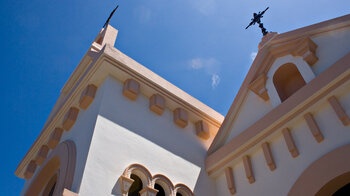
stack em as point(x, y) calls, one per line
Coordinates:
point(256, 19)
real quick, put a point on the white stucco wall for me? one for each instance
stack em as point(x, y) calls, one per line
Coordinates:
point(128, 132)
point(81, 134)
point(288, 170)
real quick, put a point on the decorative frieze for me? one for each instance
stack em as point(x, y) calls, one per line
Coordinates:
point(290, 142)
point(202, 130)
point(70, 118)
point(230, 180)
point(55, 138)
point(131, 89)
point(42, 154)
point(87, 96)
point(180, 117)
point(248, 169)
point(339, 110)
point(268, 156)
point(315, 130)
point(258, 87)
point(157, 104)
point(30, 170)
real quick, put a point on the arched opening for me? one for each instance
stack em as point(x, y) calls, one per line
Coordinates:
point(345, 190)
point(337, 186)
point(287, 80)
point(50, 186)
point(160, 189)
point(178, 194)
point(136, 186)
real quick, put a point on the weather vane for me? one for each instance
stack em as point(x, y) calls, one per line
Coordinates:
point(256, 19)
point(110, 16)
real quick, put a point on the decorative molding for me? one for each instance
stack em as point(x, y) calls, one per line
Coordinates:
point(125, 184)
point(55, 138)
point(148, 191)
point(180, 117)
point(315, 130)
point(70, 118)
point(42, 154)
point(30, 170)
point(202, 130)
point(87, 96)
point(339, 110)
point(259, 88)
point(230, 180)
point(290, 142)
point(131, 89)
point(67, 192)
point(268, 156)
point(157, 104)
point(306, 48)
point(248, 169)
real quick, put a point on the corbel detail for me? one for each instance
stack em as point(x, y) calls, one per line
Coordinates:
point(268, 156)
point(180, 117)
point(157, 104)
point(70, 118)
point(42, 154)
point(306, 48)
point(230, 180)
point(259, 88)
point(131, 89)
point(290, 142)
point(87, 96)
point(315, 130)
point(339, 110)
point(30, 170)
point(248, 169)
point(55, 138)
point(202, 130)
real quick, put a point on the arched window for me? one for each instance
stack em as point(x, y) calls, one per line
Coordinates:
point(136, 186)
point(160, 189)
point(178, 194)
point(287, 80)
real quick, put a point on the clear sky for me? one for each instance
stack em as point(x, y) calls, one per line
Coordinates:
point(200, 46)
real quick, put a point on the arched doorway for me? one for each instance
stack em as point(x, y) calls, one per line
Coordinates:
point(326, 176)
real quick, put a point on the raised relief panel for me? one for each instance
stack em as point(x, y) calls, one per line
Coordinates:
point(87, 96)
point(180, 117)
point(258, 87)
point(202, 130)
point(55, 138)
point(70, 118)
point(157, 104)
point(306, 48)
point(131, 89)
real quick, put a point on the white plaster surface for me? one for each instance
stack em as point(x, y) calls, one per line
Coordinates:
point(128, 132)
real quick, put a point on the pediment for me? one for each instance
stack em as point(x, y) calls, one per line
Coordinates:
point(303, 47)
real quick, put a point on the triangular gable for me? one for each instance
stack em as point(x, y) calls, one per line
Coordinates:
point(273, 46)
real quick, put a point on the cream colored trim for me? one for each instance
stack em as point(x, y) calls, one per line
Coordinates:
point(339, 110)
point(42, 154)
point(230, 180)
point(70, 118)
point(263, 58)
point(315, 130)
point(270, 162)
point(180, 117)
point(87, 96)
point(290, 142)
point(297, 104)
point(131, 89)
point(202, 130)
point(157, 104)
point(248, 169)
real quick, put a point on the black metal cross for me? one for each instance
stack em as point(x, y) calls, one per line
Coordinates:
point(110, 16)
point(256, 19)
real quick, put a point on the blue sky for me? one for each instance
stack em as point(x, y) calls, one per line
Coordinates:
point(200, 46)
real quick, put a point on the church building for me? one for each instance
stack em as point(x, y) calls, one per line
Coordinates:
point(119, 129)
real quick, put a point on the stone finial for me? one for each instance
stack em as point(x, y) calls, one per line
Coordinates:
point(202, 130)
point(157, 104)
point(70, 118)
point(30, 170)
point(87, 96)
point(131, 89)
point(180, 117)
point(55, 138)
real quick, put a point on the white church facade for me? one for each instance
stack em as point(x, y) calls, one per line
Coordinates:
point(117, 128)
